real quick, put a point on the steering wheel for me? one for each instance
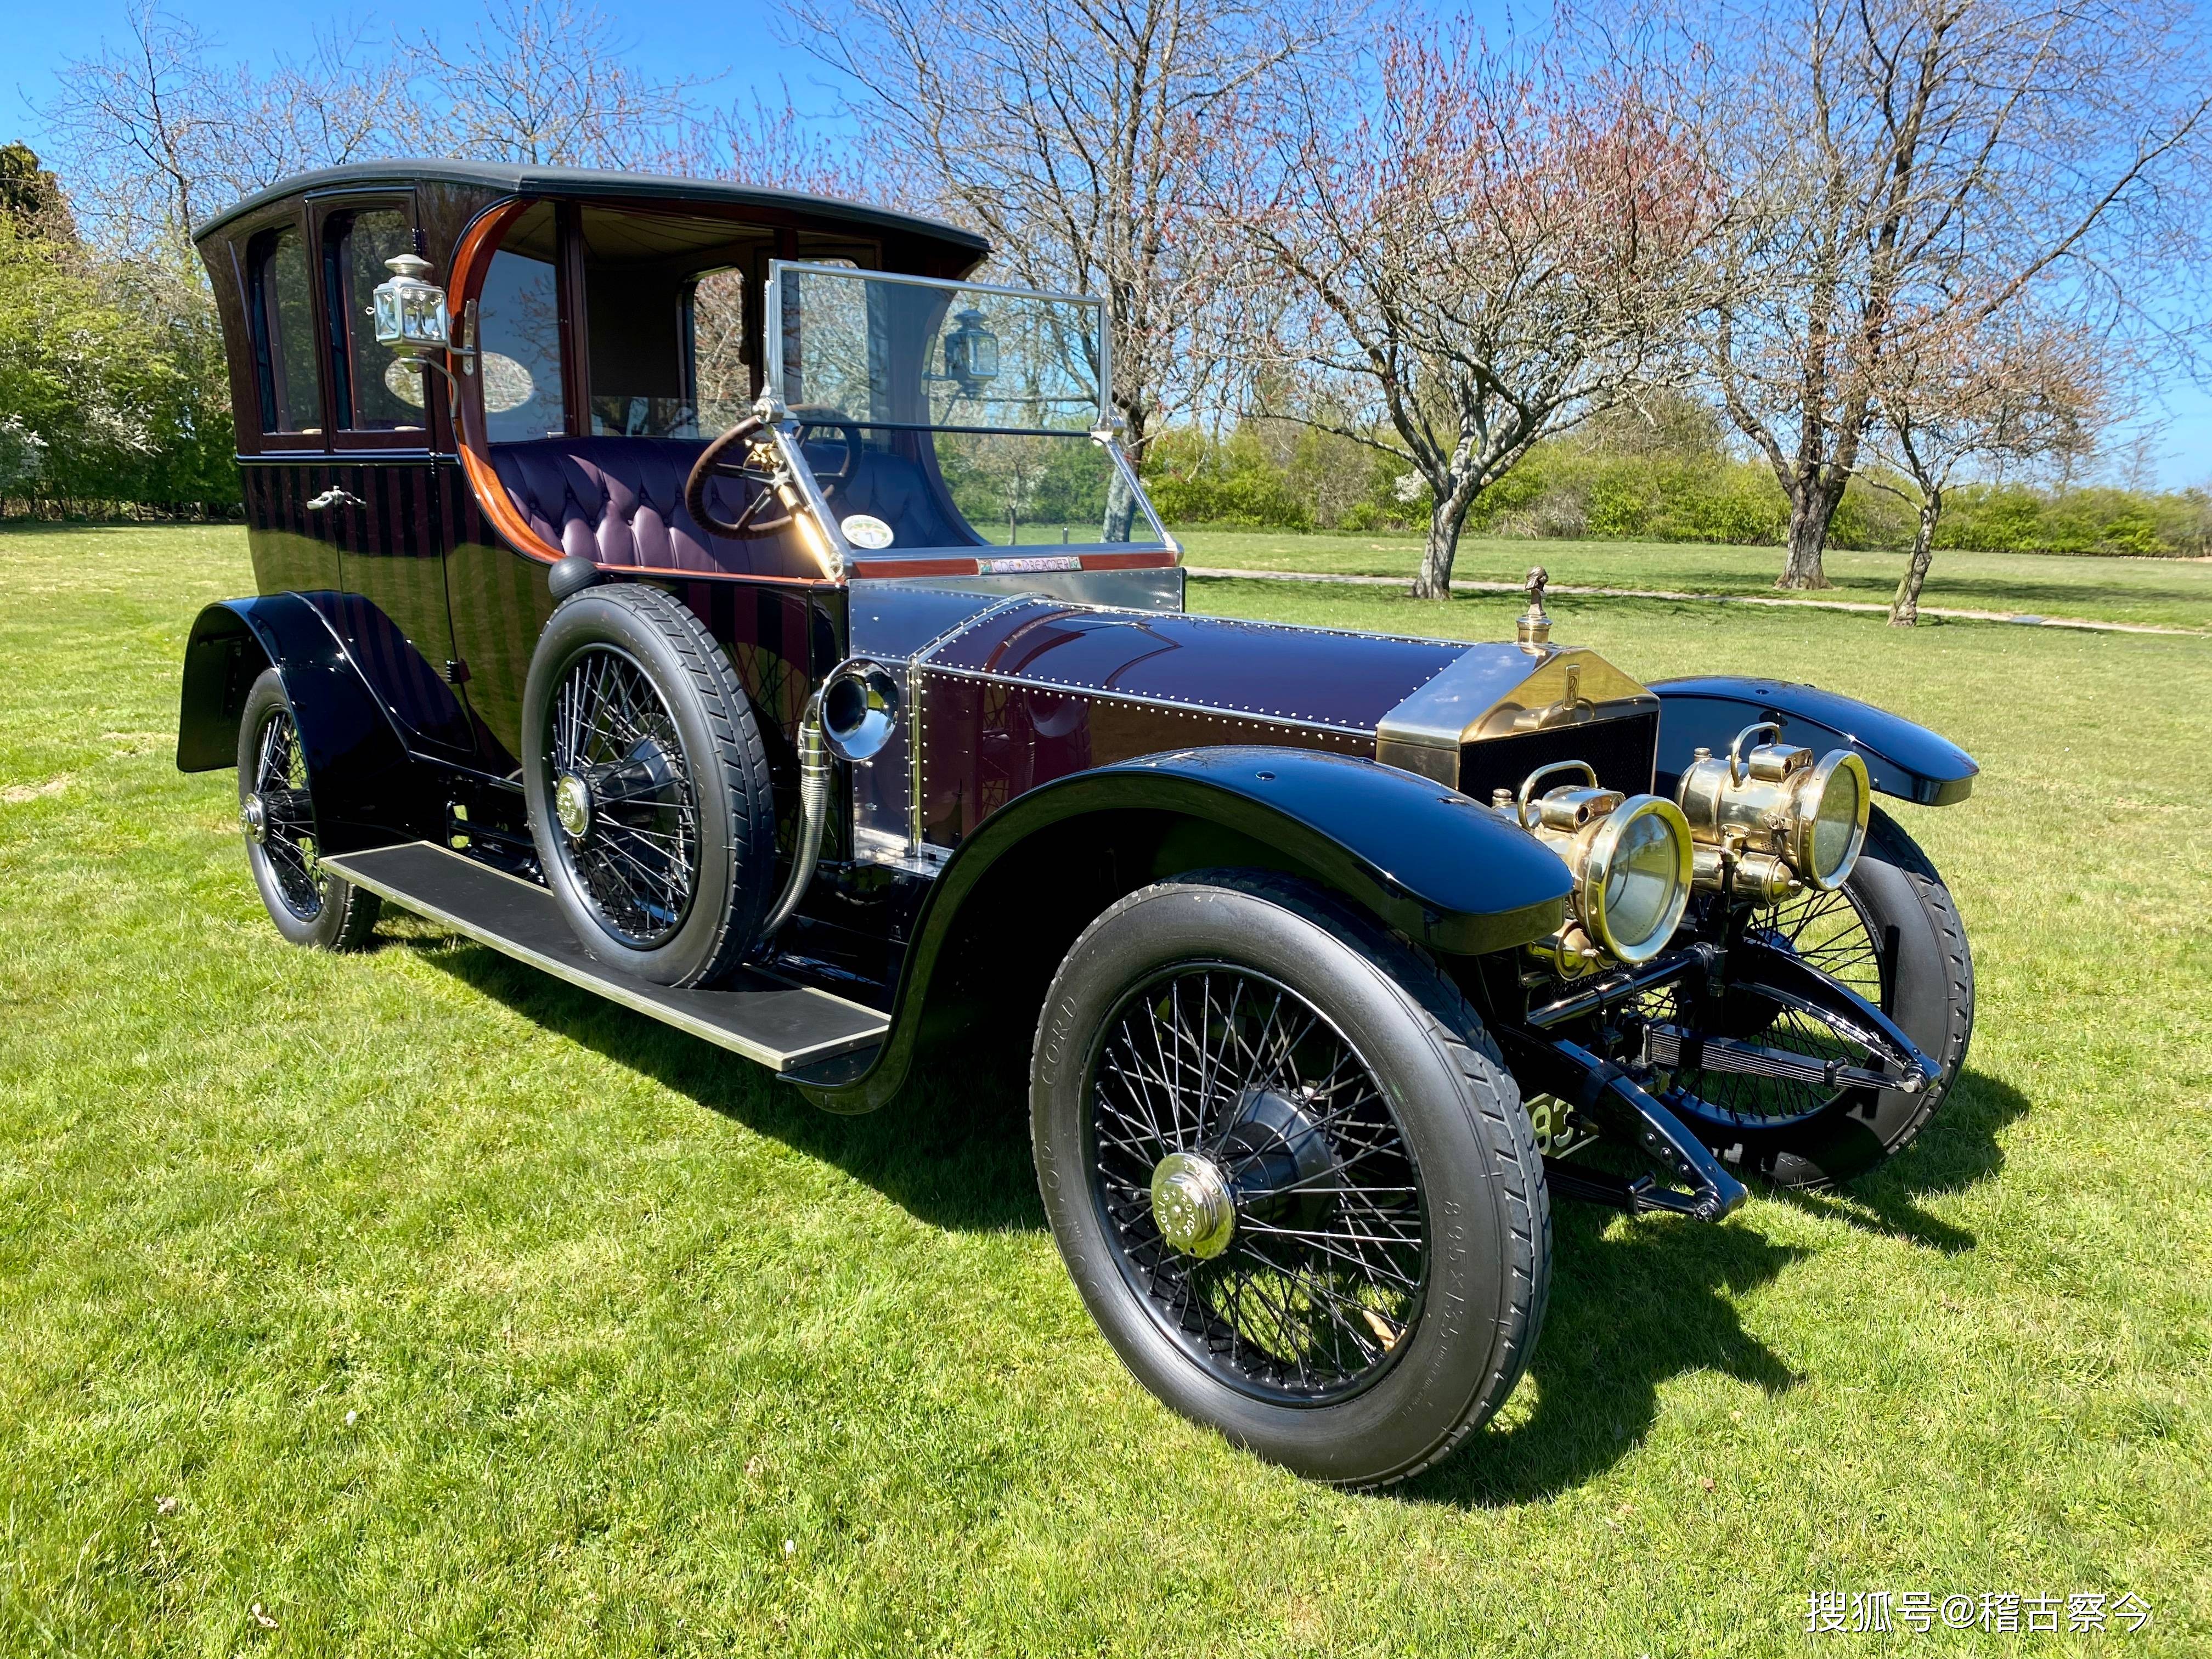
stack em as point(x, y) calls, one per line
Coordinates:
point(738, 442)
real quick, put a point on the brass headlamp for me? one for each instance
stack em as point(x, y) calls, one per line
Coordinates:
point(1771, 819)
point(1630, 856)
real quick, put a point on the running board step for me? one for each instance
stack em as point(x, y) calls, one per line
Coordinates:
point(759, 1015)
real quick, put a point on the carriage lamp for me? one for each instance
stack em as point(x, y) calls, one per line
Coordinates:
point(1630, 856)
point(410, 313)
point(1769, 818)
point(971, 353)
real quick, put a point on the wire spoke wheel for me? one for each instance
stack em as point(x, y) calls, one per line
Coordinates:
point(280, 816)
point(1829, 931)
point(1256, 1187)
point(625, 797)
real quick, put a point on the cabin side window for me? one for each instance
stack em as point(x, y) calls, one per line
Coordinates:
point(378, 391)
point(282, 308)
point(519, 323)
point(717, 368)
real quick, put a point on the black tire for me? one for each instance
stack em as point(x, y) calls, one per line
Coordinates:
point(671, 874)
point(1467, 1153)
point(277, 811)
point(1902, 947)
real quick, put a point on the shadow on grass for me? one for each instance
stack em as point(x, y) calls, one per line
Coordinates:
point(1957, 1150)
point(952, 1148)
point(1637, 1302)
point(1634, 1303)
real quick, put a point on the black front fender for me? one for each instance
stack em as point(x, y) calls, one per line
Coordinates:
point(1902, 759)
point(1428, 861)
point(367, 789)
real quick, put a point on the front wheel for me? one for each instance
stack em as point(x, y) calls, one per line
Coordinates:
point(1290, 1174)
point(1892, 934)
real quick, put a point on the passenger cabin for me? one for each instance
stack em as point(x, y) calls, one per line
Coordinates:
point(612, 325)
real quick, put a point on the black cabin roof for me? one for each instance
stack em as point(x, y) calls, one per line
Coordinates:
point(515, 179)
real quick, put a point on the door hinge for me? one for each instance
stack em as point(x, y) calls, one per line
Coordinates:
point(457, 671)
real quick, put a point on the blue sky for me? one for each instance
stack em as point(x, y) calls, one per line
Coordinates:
point(671, 38)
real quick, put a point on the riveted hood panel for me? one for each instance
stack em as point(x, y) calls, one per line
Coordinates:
point(1312, 676)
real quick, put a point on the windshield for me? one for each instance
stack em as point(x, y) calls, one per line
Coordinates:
point(945, 415)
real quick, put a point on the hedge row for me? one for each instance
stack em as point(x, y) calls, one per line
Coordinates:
point(1581, 488)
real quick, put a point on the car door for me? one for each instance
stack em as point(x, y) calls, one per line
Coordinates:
point(378, 503)
point(284, 432)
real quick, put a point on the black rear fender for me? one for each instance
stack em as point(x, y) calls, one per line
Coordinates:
point(369, 790)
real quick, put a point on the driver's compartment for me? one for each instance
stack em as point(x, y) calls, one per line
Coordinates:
point(619, 502)
point(616, 342)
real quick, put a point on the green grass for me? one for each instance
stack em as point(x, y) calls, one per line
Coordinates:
point(2176, 592)
point(437, 1307)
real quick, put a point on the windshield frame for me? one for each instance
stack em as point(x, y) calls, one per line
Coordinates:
point(773, 337)
point(1161, 548)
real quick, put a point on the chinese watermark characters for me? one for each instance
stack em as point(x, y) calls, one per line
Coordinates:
point(1847, 1613)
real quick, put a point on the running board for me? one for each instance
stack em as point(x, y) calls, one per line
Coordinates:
point(759, 1015)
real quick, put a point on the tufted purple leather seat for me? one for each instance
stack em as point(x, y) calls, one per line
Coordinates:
point(620, 502)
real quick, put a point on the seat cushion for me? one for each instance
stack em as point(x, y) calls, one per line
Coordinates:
point(620, 502)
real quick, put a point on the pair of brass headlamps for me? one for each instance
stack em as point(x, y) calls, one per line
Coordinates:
point(1759, 825)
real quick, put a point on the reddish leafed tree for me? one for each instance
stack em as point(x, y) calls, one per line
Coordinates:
point(1491, 249)
point(2017, 390)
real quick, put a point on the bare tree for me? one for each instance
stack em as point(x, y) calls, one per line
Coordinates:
point(547, 83)
point(1900, 164)
point(2026, 391)
point(1073, 134)
point(1493, 250)
point(758, 141)
point(155, 133)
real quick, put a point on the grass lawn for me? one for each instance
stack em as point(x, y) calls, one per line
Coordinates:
point(432, 1307)
point(2177, 593)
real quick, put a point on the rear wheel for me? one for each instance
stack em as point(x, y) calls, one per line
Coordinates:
point(1289, 1175)
point(647, 787)
point(277, 811)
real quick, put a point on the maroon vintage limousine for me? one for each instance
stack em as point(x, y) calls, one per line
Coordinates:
point(714, 598)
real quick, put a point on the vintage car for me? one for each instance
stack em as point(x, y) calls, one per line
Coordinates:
point(710, 596)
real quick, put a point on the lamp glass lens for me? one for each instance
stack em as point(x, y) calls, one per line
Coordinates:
point(1835, 823)
point(425, 316)
point(1641, 886)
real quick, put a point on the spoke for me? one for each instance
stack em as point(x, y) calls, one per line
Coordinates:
point(638, 868)
point(1326, 1265)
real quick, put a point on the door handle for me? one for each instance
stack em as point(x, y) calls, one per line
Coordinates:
point(335, 497)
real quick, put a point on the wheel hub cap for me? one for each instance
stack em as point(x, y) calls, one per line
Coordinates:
point(572, 805)
point(253, 819)
point(1191, 1205)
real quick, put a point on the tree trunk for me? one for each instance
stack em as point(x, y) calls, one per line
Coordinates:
point(1810, 513)
point(1434, 582)
point(1446, 516)
point(1904, 609)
